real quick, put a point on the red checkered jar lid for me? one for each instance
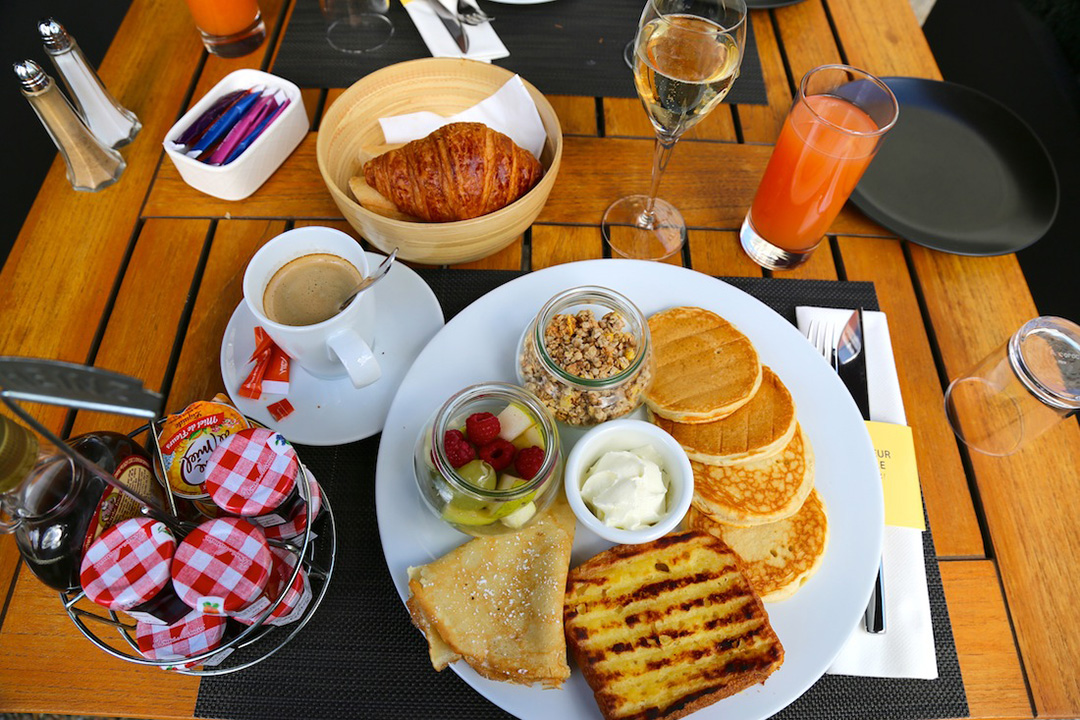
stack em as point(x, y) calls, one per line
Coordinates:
point(252, 472)
point(297, 524)
point(222, 566)
point(193, 635)
point(129, 564)
point(296, 599)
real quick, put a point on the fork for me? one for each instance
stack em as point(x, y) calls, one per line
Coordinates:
point(822, 336)
point(471, 15)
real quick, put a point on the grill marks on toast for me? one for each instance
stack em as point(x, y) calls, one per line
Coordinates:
point(662, 629)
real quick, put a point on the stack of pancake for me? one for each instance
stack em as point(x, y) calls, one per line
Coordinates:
point(753, 465)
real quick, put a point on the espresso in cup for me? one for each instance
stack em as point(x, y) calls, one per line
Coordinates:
point(309, 289)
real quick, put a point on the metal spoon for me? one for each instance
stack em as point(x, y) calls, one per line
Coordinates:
point(376, 276)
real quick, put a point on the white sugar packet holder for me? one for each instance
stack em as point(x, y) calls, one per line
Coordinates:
point(906, 649)
point(484, 43)
point(510, 110)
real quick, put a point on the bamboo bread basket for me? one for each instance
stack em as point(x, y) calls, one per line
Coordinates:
point(445, 86)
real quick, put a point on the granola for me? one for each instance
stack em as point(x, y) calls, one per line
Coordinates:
point(592, 350)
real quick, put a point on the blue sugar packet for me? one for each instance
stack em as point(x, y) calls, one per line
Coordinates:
point(224, 123)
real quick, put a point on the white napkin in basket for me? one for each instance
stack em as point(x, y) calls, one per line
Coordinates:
point(484, 43)
point(906, 648)
point(510, 110)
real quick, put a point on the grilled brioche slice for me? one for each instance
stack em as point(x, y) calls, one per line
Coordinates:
point(663, 629)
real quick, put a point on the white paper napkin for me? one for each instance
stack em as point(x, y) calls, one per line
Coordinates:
point(510, 110)
point(906, 648)
point(484, 43)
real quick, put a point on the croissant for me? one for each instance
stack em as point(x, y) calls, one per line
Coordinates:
point(459, 171)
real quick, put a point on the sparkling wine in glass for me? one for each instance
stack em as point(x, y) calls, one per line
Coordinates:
point(687, 56)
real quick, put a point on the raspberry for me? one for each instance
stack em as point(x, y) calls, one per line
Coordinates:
point(457, 448)
point(528, 462)
point(482, 428)
point(498, 454)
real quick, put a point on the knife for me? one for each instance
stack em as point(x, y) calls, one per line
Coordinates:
point(452, 24)
point(851, 362)
point(851, 366)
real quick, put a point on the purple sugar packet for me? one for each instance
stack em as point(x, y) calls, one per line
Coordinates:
point(197, 128)
point(224, 123)
point(266, 104)
point(257, 131)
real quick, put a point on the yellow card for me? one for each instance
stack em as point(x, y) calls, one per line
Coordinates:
point(895, 448)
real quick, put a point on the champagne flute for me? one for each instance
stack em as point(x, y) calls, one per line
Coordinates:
point(687, 55)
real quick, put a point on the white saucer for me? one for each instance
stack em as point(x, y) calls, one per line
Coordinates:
point(333, 412)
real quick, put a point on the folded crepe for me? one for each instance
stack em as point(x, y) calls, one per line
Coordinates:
point(496, 602)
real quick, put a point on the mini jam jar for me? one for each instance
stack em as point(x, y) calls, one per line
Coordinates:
point(587, 355)
point(194, 634)
point(500, 501)
point(223, 567)
point(291, 603)
point(254, 474)
point(127, 569)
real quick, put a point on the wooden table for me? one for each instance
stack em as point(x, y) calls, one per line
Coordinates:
point(141, 278)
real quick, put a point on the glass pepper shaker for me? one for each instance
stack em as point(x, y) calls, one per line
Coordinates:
point(91, 164)
point(107, 119)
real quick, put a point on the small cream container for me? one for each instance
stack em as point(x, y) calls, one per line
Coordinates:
point(257, 163)
point(627, 434)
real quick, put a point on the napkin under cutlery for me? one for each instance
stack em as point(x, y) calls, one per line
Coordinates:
point(484, 43)
point(906, 649)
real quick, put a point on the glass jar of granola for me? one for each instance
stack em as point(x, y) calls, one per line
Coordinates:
point(587, 356)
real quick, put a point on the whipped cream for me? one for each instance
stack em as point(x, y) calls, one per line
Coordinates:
point(627, 489)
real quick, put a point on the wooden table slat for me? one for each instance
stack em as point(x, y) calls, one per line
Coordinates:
point(944, 482)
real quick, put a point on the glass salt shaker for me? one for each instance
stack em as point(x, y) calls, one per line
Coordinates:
point(91, 164)
point(107, 119)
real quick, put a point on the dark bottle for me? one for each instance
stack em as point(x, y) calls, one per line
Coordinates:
point(56, 508)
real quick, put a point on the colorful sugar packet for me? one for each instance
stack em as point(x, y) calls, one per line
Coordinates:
point(231, 125)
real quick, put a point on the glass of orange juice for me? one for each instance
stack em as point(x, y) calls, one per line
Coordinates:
point(229, 28)
point(837, 121)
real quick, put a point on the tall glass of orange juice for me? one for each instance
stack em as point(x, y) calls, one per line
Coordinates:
point(836, 124)
point(229, 28)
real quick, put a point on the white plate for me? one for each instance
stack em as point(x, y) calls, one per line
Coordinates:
point(333, 412)
point(479, 345)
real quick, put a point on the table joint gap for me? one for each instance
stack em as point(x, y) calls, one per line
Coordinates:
point(189, 308)
point(10, 592)
point(277, 32)
point(835, 33)
point(943, 380)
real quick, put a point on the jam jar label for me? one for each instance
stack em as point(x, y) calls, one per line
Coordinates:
point(133, 472)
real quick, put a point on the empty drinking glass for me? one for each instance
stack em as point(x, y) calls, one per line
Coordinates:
point(357, 26)
point(1019, 391)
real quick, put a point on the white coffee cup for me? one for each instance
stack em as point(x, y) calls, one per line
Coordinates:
point(333, 348)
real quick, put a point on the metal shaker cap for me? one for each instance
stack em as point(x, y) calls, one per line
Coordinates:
point(54, 36)
point(31, 75)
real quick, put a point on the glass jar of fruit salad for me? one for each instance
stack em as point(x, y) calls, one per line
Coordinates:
point(489, 462)
point(587, 356)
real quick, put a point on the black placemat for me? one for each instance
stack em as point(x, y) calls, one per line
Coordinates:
point(565, 47)
point(361, 657)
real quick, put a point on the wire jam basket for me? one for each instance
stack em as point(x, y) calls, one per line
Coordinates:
point(82, 387)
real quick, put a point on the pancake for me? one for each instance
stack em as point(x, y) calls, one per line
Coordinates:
point(757, 430)
point(497, 602)
point(777, 558)
point(704, 368)
point(760, 491)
